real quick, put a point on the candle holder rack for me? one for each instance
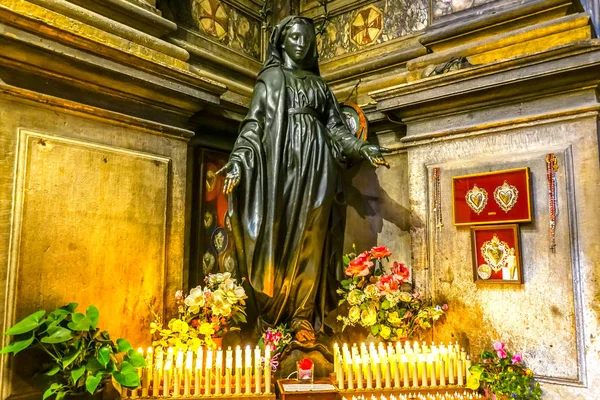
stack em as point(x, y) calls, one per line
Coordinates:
point(204, 373)
point(222, 397)
point(408, 393)
point(400, 367)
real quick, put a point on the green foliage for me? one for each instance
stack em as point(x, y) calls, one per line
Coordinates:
point(83, 358)
point(503, 374)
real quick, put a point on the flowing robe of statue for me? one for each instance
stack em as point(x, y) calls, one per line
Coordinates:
point(287, 212)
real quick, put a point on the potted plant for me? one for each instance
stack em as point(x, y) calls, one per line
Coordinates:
point(205, 315)
point(80, 357)
point(502, 375)
point(377, 300)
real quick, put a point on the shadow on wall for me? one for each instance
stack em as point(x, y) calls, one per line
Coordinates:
point(369, 205)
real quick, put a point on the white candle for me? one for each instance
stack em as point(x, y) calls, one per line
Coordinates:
point(335, 359)
point(442, 373)
point(167, 378)
point(158, 368)
point(359, 372)
point(218, 371)
point(257, 371)
point(228, 368)
point(395, 362)
point(388, 373)
point(189, 358)
point(350, 374)
point(177, 373)
point(433, 372)
point(451, 372)
point(238, 370)
point(377, 372)
point(198, 372)
point(467, 367)
point(340, 374)
point(423, 366)
point(176, 381)
point(168, 371)
point(268, 368)
point(459, 367)
point(248, 369)
point(208, 373)
point(405, 371)
point(415, 373)
point(368, 368)
point(147, 376)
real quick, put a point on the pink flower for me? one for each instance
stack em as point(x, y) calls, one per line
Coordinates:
point(387, 283)
point(517, 358)
point(499, 346)
point(445, 307)
point(501, 354)
point(380, 252)
point(400, 271)
point(359, 266)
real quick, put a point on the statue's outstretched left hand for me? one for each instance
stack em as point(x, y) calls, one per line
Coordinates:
point(373, 153)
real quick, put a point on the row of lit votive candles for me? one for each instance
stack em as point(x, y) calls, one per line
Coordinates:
point(405, 366)
point(420, 396)
point(203, 372)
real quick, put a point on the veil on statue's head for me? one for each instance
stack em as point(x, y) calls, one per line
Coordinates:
point(274, 51)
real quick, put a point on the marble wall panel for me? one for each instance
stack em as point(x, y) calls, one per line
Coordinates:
point(547, 317)
point(93, 212)
point(220, 22)
point(375, 23)
point(447, 7)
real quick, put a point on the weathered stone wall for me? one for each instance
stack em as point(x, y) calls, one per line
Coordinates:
point(378, 210)
point(507, 104)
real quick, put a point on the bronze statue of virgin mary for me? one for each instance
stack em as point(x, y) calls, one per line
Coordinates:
point(285, 202)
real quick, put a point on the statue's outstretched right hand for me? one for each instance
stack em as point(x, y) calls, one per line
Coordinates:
point(232, 177)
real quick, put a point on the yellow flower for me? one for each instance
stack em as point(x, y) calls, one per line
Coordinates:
point(371, 291)
point(195, 300)
point(355, 297)
point(385, 332)
point(194, 343)
point(220, 305)
point(368, 316)
point(206, 329)
point(405, 297)
point(178, 325)
point(394, 318)
point(354, 313)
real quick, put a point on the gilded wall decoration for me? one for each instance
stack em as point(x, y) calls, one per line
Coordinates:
point(213, 18)
point(366, 26)
point(356, 29)
point(220, 22)
point(445, 7)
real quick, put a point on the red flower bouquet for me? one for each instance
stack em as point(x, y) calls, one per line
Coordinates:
point(306, 370)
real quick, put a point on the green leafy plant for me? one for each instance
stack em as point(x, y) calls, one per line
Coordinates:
point(503, 375)
point(82, 358)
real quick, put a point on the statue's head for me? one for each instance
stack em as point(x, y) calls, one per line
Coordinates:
point(298, 42)
point(293, 43)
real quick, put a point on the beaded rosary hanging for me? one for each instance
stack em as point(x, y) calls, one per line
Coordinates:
point(551, 168)
point(437, 200)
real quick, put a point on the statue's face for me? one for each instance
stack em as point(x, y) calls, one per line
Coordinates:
point(298, 41)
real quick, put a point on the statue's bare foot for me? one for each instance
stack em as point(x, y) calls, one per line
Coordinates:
point(305, 335)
